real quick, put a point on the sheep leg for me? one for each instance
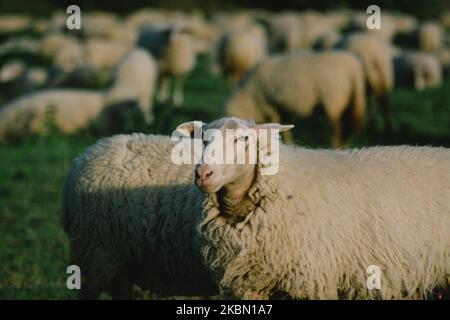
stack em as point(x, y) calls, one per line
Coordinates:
point(178, 92)
point(163, 94)
point(336, 136)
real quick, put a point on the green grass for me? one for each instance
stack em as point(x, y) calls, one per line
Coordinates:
point(33, 246)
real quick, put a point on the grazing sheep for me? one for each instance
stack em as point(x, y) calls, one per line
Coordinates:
point(377, 61)
point(100, 53)
point(430, 37)
point(297, 84)
point(74, 109)
point(131, 215)
point(286, 33)
point(312, 229)
point(417, 70)
point(241, 50)
point(176, 57)
point(16, 79)
point(14, 23)
point(135, 77)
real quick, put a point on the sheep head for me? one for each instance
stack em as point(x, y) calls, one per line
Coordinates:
point(232, 148)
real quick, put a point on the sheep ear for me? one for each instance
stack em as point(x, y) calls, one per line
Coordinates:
point(277, 126)
point(188, 128)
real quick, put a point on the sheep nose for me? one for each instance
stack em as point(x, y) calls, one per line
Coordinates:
point(203, 173)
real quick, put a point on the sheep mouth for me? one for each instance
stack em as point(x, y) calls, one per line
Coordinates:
point(209, 186)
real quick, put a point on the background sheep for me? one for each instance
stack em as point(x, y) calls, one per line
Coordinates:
point(418, 70)
point(334, 213)
point(135, 78)
point(377, 61)
point(131, 216)
point(241, 50)
point(430, 37)
point(74, 109)
point(176, 56)
point(296, 84)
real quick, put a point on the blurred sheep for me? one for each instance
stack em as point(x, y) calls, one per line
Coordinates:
point(14, 23)
point(16, 79)
point(101, 53)
point(73, 109)
point(376, 57)
point(417, 70)
point(176, 57)
point(297, 83)
point(430, 37)
point(241, 50)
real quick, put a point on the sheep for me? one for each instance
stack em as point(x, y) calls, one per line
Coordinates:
point(74, 109)
point(286, 33)
point(100, 53)
point(377, 61)
point(16, 79)
point(14, 23)
point(418, 70)
point(131, 215)
point(298, 83)
point(66, 51)
point(313, 227)
point(176, 57)
point(241, 50)
point(136, 78)
point(430, 36)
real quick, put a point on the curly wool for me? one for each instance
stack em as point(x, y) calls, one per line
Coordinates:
point(328, 215)
point(131, 217)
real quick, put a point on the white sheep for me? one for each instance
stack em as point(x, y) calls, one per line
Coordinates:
point(131, 216)
point(316, 226)
point(135, 77)
point(431, 36)
point(74, 109)
point(100, 53)
point(376, 57)
point(417, 70)
point(241, 50)
point(296, 84)
point(176, 56)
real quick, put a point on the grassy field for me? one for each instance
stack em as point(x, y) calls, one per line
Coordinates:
point(33, 247)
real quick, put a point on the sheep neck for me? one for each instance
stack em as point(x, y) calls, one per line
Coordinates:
point(234, 201)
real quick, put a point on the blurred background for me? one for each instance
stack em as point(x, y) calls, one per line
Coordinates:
point(146, 66)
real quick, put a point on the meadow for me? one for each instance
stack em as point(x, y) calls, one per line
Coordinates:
point(33, 246)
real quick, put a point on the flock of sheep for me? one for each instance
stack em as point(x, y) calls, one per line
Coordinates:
point(308, 232)
point(283, 64)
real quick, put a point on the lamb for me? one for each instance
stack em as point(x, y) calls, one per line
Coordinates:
point(74, 109)
point(131, 216)
point(430, 36)
point(175, 53)
point(313, 228)
point(241, 50)
point(297, 84)
point(377, 61)
point(418, 70)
